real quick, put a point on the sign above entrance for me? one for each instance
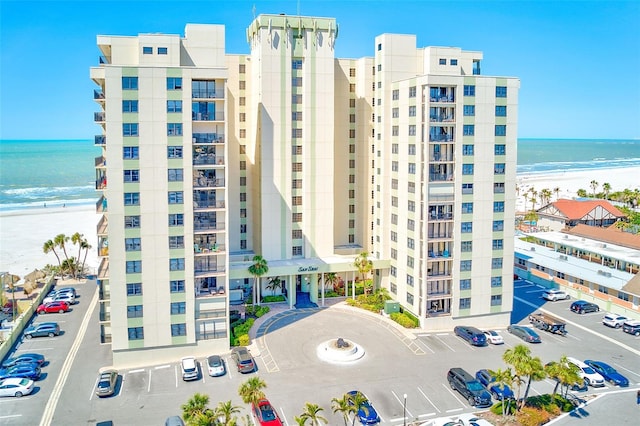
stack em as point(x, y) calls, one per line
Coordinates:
point(307, 269)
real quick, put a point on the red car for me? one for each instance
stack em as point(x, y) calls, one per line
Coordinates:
point(266, 414)
point(53, 307)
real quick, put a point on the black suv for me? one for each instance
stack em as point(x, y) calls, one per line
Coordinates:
point(631, 327)
point(471, 335)
point(583, 307)
point(469, 387)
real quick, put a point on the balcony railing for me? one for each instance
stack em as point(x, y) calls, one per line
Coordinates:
point(203, 116)
point(207, 138)
point(440, 138)
point(99, 116)
point(100, 140)
point(101, 205)
point(437, 177)
point(105, 316)
point(447, 99)
point(199, 226)
point(103, 269)
point(97, 94)
point(208, 248)
point(207, 204)
point(440, 235)
point(208, 159)
point(440, 216)
point(439, 158)
point(208, 183)
point(103, 226)
point(208, 94)
point(441, 118)
point(103, 60)
point(101, 161)
point(211, 269)
point(101, 183)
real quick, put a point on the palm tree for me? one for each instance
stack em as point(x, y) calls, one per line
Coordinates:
point(84, 244)
point(557, 191)
point(524, 366)
point(300, 421)
point(606, 187)
point(258, 269)
point(312, 413)
point(582, 193)
point(274, 283)
point(364, 266)
point(546, 195)
point(251, 390)
point(77, 238)
point(565, 374)
point(195, 408)
point(357, 400)
point(60, 241)
point(503, 378)
point(342, 406)
point(50, 246)
point(534, 371)
point(226, 411)
point(594, 186)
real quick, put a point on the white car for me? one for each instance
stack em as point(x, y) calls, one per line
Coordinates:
point(16, 386)
point(587, 373)
point(189, 368)
point(442, 421)
point(470, 419)
point(60, 297)
point(554, 295)
point(215, 366)
point(613, 320)
point(493, 337)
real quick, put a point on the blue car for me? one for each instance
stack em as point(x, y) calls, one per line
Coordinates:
point(26, 371)
point(367, 415)
point(24, 359)
point(609, 373)
point(499, 391)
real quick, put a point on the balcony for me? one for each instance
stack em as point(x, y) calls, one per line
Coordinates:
point(200, 202)
point(99, 117)
point(103, 226)
point(101, 182)
point(98, 94)
point(441, 138)
point(101, 205)
point(208, 138)
point(208, 248)
point(207, 93)
point(103, 269)
point(442, 94)
point(211, 269)
point(100, 140)
point(203, 226)
point(203, 182)
point(208, 160)
point(440, 177)
point(100, 161)
point(207, 116)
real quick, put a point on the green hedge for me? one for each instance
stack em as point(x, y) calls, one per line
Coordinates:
point(262, 310)
point(273, 299)
point(405, 320)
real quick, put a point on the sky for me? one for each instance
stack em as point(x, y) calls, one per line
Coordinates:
point(578, 61)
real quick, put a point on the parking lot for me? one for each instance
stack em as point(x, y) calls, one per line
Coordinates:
point(285, 354)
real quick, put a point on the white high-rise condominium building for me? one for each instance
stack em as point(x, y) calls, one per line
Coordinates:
point(306, 160)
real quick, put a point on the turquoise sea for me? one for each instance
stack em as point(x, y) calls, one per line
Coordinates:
point(57, 172)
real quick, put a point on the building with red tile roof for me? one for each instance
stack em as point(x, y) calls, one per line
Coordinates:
point(563, 214)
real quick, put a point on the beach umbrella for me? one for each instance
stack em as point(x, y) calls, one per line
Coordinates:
point(9, 279)
point(34, 275)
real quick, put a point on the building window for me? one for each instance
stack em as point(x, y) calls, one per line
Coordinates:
point(242, 101)
point(498, 188)
point(243, 181)
point(129, 83)
point(296, 81)
point(395, 94)
point(243, 228)
point(296, 250)
point(500, 149)
point(296, 99)
point(174, 129)
point(412, 168)
point(453, 62)
point(498, 225)
point(296, 200)
point(296, 133)
point(296, 167)
point(133, 266)
point(496, 300)
point(132, 244)
point(411, 206)
point(129, 106)
point(467, 188)
point(442, 61)
point(394, 236)
point(465, 265)
point(132, 221)
point(242, 85)
point(409, 280)
point(496, 263)
point(296, 217)
point(174, 83)
point(296, 184)
point(296, 234)
point(467, 149)
point(501, 92)
point(467, 169)
point(174, 152)
point(412, 130)
point(394, 253)
point(467, 207)
point(176, 242)
point(147, 50)
point(129, 129)
point(468, 129)
point(465, 303)
point(410, 263)
point(412, 111)
point(497, 244)
point(498, 206)
point(176, 286)
point(178, 330)
point(465, 284)
point(136, 333)
point(501, 130)
point(412, 91)
point(134, 289)
point(178, 308)
point(469, 90)
point(243, 197)
point(176, 197)
point(498, 168)
point(411, 243)
point(176, 219)
point(175, 175)
point(162, 50)
point(466, 227)
point(243, 165)
point(296, 116)
point(469, 110)
point(131, 198)
point(501, 111)
point(466, 246)
point(130, 152)
point(174, 106)
point(242, 68)
point(134, 311)
point(176, 264)
point(243, 244)
point(296, 63)
point(131, 175)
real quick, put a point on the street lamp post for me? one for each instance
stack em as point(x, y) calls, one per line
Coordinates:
point(404, 411)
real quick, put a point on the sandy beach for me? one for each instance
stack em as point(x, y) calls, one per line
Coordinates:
point(23, 233)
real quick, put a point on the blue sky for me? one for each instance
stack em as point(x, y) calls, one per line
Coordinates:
point(578, 61)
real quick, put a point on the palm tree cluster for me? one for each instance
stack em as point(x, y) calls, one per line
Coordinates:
point(630, 199)
point(60, 246)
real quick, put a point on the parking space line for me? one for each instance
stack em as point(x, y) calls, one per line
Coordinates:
point(534, 291)
point(441, 341)
point(453, 394)
point(149, 384)
point(161, 367)
point(427, 398)
point(283, 417)
point(11, 416)
point(424, 345)
point(400, 401)
point(139, 370)
point(626, 369)
point(454, 410)
point(175, 371)
point(95, 385)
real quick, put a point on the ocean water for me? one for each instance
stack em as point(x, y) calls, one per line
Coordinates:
point(61, 172)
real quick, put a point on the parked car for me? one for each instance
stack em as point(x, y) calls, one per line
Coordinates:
point(587, 373)
point(631, 327)
point(61, 297)
point(16, 386)
point(243, 359)
point(107, 383)
point(493, 337)
point(265, 413)
point(499, 391)
point(215, 366)
point(189, 368)
point(367, 415)
point(43, 329)
point(24, 359)
point(469, 387)
point(525, 333)
point(579, 386)
point(470, 419)
point(472, 335)
point(26, 371)
point(53, 307)
point(613, 320)
point(608, 373)
point(554, 295)
point(583, 307)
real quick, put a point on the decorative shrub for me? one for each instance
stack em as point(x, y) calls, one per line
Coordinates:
point(531, 416)
point(403, 319)
point(262, 310)
point(273, 299)
point(243, 340)
point(509, 408)
point(413, 318)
